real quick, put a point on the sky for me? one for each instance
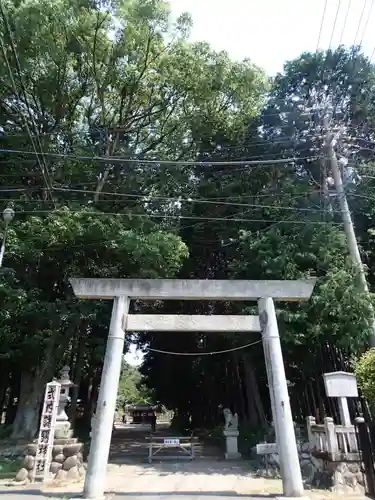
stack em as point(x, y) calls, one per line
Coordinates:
point(134, 357)
point(270, 32)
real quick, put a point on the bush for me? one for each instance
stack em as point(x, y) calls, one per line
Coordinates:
point(249, 437)
point(5, 431)
point(9, 467)
point(364, 369)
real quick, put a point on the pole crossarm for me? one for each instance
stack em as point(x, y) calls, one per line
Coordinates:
point(173, 289)
point(191, 323)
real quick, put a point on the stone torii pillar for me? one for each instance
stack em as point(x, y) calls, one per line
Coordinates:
point(106, 405)
point(121, 291)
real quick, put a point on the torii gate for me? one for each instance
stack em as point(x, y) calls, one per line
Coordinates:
point(124, 290)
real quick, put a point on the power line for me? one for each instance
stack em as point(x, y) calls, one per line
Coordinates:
point(105, 241)
point(367, 100)
point(43, 167)
point(113, 159)
point(131, 215)
point(287, 142)
point(321, 25)
point(186, 200)
point(19, 99)
point(352, 243)
point(334, 24)
point(345, 21)
point(219, 198)
point(106, 129)
point(362, 196)
point(260, 141)
point(360, 21)
point(367, 21)
point(11, 190)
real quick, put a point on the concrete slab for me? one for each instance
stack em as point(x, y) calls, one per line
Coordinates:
point(103, 288)
point(191, 323)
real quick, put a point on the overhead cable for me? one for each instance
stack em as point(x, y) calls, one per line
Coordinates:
point(132, 215)
point(186, 200)
point(114, 159)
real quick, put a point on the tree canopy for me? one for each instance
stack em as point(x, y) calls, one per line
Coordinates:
point(126, 150)
point(132, 389)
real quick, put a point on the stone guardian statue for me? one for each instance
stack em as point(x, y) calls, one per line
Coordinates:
point(231, 434)
point(231, 421)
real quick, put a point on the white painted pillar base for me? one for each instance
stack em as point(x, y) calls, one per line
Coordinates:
point(344, 411)
point(106, 405)
point(282, 414)
point(231, 445)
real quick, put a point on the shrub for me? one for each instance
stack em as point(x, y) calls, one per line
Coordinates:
point(5, 431)
point(364, 369)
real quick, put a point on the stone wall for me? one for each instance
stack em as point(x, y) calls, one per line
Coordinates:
point(67, 462)
point(339, 477)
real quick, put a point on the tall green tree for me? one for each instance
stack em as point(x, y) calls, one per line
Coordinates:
point(43, 253)
point(276, 221)
point(108, 79)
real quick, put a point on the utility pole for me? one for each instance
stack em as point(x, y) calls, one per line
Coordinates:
point(8, 216)
point(347, 221)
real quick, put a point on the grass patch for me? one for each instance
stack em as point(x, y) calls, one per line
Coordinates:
point(9, 467)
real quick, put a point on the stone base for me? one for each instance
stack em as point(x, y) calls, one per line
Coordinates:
point(346, 477)
point(233, 456)
point(342, 478)
point(66, 466)
point(231, 445)
point(63, 431)
point(231, 433)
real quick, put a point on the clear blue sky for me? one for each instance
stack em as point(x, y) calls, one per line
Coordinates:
point(269, 32)
point(272, 31)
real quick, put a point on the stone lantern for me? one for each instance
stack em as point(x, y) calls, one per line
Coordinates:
point(62, 420)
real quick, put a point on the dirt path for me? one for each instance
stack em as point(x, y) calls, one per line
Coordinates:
point(129, 475)
point(192, 481)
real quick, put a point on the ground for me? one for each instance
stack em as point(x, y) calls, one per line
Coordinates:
point(130, 476)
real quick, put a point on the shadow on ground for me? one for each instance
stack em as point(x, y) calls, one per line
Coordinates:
point(195, 494)
point(134, 494)
point(13, 494)
point(184, 468)
point(131, 476)
point(129, 446)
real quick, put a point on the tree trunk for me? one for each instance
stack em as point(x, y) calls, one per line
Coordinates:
point(316, 412)
point(13, 396)
point(3, 392)
point(254, 401)
point(242, 406)
point(86, 390)
point(31, 396)
point(33, 384)
point(94, 393)
point(77, 378)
